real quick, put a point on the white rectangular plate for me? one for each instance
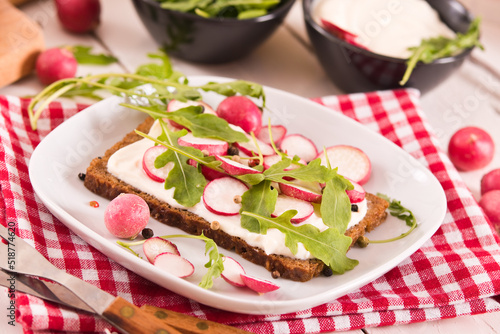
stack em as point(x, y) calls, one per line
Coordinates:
point(68, 150)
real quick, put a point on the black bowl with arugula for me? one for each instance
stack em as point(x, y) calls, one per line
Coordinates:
point(211, 31)
point(354, 68)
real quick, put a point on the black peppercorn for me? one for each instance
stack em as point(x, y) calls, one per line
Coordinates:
point(354, 208)
point(327, 271)
point(233, 150)
point(81, 176)
point(147, 233)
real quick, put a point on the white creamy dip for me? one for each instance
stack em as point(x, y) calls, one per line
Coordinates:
point(126, 164)
point(386, 27)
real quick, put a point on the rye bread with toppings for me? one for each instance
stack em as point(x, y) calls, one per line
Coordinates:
point(101, 182)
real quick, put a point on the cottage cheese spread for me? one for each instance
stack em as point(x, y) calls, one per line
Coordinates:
point(386, 27)
point(126, 164)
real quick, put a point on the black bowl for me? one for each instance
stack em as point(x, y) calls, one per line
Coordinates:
point(354, 69)
point(208, 40)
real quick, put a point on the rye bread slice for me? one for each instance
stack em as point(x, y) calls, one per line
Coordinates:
point(99, 181)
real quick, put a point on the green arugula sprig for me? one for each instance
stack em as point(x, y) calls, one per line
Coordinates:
point(167, 83)
point(200, 124)
point(239, 9)
point(396, 209)
point(85, 56)
point(439, 47)
point(330, 245)
point(187, 180)
point(215, 262)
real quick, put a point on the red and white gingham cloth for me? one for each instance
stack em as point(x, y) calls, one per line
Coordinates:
point(455, 273)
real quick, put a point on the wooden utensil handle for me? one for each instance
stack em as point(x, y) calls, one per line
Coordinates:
point(131, 319)
point(190, 324)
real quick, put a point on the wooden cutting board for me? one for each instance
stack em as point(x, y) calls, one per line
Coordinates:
point(21, 40)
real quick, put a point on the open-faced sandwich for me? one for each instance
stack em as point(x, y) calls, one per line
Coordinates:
point(269, 196)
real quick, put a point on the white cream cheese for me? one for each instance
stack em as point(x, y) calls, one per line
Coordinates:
point(126, 164)
point(386, 27)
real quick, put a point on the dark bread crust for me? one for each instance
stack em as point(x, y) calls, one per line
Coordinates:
point(99, 181)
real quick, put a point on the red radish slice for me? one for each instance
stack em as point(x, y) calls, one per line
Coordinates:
point(235, 168)
point(357, 194)
point(232, 272)
point(277, 131)
point(250, 149)
point(352, 162)
point(304, 209)
point(296, 190)
point(258, 285)
point(299, 145)
point(174, 264)
point(211, 174)
point(174, 105)
point(219, 196)
point(212, 146)
point(148, 164)
point(155, 246)
point(341, 33)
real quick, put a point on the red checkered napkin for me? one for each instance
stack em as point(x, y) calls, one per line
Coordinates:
point(457, 272)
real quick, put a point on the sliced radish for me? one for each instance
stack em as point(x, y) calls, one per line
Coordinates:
point(304, 209)
point(219, 196)
point(250, 149)
point(352, 162)
point(153, 247)
point(310, 192)
point(341, 33)
point(148, 164)
point(174, 264)
point(232, 272)
point(235, 168)
point(298, 145)
point(212, 146)
point(357, 194)
point(258, 285)
point(277, 131)
point(174, 105)
point(211, 174)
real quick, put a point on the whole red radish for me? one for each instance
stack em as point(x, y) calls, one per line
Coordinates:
point(79, 16)
point(471, 148)
point(55, 64)
point(241, 111)
point(490, 181)
point(490, 203)
point(126, 216)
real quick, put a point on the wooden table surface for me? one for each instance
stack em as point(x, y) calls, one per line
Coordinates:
point(286, 61)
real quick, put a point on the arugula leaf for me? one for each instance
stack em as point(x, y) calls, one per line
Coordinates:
point(438, 47)
point(396, 209)
point(330, 245)
point(241, 9)
point(234, 87)
point(84, 56)
point(186, 179)
point(335, 204)
point(215, 263)
point(261, 200)
point(312, 172)
point(205, 125)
